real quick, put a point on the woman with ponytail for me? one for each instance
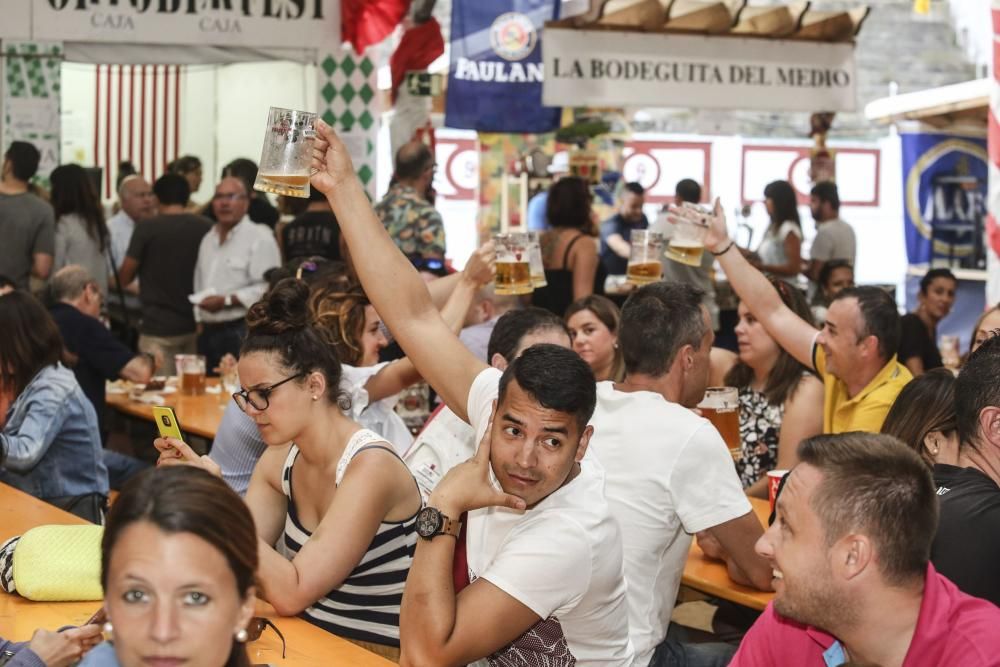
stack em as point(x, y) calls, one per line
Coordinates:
point(333, 496)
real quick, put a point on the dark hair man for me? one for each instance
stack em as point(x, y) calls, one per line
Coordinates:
point(313, 233)
point(668, 473)
point(855, 351)
point(26, 221)
point(546, 581)
point(617, 230)
point(446, 440)
point(967, 545)
point(850, 549)
point(834, 238)
point(162, 253)
point(407, 211)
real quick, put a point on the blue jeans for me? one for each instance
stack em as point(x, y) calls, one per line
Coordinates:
point(121, 467)
point(673, 652)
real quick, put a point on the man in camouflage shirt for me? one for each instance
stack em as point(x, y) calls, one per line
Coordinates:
point(408, 216)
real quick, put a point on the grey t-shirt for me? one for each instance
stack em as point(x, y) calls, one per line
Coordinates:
point(75, 245)
point(27, 227)
point(834, 240)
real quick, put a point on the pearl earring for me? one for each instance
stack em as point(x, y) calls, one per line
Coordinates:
point(315, 398)
point(242, 635)
point(108, 629)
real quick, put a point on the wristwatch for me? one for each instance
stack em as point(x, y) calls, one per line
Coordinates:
point(431, 522)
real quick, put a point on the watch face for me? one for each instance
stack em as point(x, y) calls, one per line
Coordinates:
point(428, 522)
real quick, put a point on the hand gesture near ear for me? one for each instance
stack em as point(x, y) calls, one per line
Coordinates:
point(467, 486)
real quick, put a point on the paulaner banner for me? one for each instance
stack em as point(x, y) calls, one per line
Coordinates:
point(608, 68)
point(496, 74)
point(247, 23)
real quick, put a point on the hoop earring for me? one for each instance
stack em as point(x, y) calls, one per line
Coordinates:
point(242, 635)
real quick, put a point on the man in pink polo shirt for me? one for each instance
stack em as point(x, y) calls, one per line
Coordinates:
point(850, 550)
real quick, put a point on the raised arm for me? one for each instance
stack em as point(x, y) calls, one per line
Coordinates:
point(792, 332)
point(390, 281)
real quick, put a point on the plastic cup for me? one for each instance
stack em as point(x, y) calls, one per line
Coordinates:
point(535, 260)
point(644, 259)
point(687, 243)
point(286, 157)
point(774, 478)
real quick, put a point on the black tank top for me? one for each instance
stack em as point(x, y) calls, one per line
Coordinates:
point(557, 296)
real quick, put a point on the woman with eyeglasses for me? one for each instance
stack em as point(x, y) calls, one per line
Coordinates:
point(333, 496)
point(340, 306)
point(781, 402)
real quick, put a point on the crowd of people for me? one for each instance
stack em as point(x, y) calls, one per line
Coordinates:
point(545, 511)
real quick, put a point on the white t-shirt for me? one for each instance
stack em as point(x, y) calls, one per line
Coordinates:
point(378, 416)
point(668, 474)
point(562, 559)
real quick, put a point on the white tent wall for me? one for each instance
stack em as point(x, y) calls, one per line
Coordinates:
point(222, 112)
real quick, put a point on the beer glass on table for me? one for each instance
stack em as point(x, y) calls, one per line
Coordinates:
point(535, 260)
point(644, 259)
point(687, 242)
point(286, 156)
point(513, 266)
point(721, 406)
point(191, 370)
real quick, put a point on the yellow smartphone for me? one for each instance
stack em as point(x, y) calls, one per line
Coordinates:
point(166, 422)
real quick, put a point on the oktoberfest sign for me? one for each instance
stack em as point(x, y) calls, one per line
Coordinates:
point(496, 74)
point(247, 23)
point(607, 68)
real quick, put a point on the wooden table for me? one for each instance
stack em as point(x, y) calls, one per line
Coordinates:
point(307, 645)
point(710, 576)
point(198, 415)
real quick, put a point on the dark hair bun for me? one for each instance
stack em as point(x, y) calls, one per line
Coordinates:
point(285, 309)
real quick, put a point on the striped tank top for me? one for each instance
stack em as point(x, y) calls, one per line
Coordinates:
point(366, 606)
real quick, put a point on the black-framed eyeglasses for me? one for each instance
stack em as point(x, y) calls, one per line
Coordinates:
point(259, 398)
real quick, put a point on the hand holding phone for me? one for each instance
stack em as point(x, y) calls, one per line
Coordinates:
point(166, 422)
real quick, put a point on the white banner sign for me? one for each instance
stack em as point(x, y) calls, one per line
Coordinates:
point(248, 23)
point(604, 68)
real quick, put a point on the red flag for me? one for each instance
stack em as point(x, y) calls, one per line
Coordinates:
point(367, 22)
point(420, 46)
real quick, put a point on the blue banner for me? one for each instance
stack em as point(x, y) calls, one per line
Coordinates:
point(944, 191)
point(495, 80)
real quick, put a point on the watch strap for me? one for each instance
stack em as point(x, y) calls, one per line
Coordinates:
point(450, 527)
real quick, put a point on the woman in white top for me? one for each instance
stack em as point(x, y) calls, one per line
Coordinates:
point(81, 233)
point(334, 497)
point(781, 250)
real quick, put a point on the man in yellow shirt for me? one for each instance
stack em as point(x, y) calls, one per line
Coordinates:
point(854, 353)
